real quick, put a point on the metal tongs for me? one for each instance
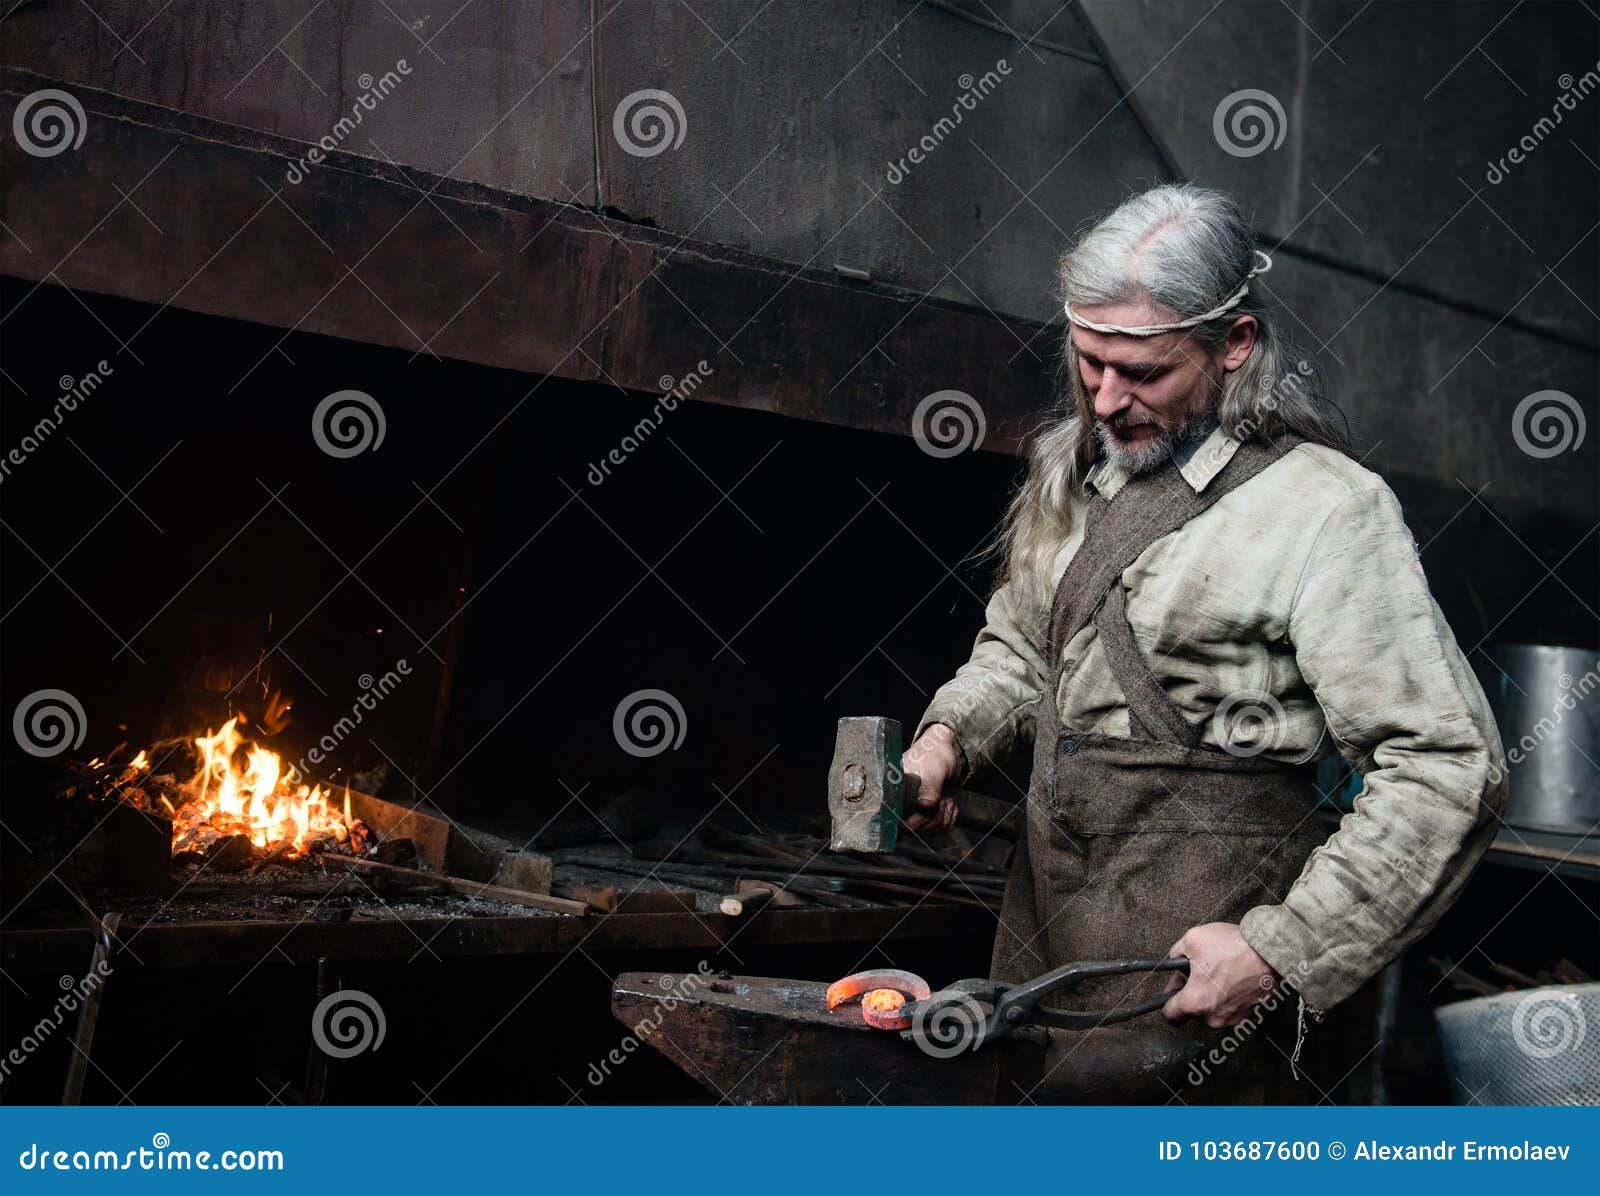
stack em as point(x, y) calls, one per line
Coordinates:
point(969, 1013)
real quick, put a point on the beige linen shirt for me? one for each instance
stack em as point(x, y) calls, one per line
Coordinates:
point(1289, 620)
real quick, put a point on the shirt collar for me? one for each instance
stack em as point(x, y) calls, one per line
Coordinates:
point(1197, 460)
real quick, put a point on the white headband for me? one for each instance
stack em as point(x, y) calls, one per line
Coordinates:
point(1227, 305)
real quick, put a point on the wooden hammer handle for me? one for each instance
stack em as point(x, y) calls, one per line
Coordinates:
point(974, 811)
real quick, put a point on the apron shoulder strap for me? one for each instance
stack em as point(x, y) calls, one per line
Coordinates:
point(1147, 508)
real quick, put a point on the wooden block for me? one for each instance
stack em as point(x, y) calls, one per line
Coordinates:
point(523, 870)
point(599, 897)
point(614, 900)
point(456, 884)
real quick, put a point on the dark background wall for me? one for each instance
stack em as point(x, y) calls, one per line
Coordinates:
point(770, 574)
point(1436, 299)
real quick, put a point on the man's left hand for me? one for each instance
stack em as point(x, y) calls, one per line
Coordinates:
point(1227, 979)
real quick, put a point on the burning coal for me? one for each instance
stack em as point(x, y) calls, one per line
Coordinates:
point(241, 790)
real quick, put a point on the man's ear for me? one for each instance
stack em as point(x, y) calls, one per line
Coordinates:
point(1241, 340)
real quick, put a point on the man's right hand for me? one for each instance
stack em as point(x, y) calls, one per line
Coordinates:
point(935, 759)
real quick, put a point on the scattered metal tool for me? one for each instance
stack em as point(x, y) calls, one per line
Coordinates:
point(868, 791)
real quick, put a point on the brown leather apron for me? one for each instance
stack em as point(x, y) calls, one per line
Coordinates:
point(1130, 842)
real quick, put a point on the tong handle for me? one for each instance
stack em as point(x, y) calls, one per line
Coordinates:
point(1018, 1004)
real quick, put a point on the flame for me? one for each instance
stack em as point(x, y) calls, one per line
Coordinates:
point(242, 788)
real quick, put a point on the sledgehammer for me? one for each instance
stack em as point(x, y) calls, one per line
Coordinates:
point(867, 791)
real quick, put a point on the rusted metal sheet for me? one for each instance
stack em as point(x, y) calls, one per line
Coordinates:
point(225, 944)
point(428, 830)
point(797, 122)
point(763, 1041)
point(497, 93)
point(360, 250)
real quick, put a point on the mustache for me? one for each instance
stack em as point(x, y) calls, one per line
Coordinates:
point(1124, 420)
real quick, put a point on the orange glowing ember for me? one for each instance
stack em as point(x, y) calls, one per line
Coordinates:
point(853, 986)
point(243, 789)
point(881, 1009)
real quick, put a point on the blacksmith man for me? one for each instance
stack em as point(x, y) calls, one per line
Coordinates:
point(1203, 594)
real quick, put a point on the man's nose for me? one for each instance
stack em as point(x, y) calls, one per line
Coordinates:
point(1115, 394)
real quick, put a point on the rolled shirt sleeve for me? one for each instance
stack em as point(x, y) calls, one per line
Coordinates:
point(1404, 707)
point(991, 702)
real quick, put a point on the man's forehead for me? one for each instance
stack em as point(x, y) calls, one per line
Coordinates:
point(1115, 347)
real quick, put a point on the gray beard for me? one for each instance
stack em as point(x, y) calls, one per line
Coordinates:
point(1142, 458)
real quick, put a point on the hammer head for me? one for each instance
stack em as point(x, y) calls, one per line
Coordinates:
point(865, 785)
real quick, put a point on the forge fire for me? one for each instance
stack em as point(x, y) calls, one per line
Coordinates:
point(240, 792)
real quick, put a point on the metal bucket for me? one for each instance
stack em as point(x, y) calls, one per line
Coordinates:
point(1546, 701)
point(1539, 1047)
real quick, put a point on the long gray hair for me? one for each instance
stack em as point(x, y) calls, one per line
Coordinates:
point(1183, 249)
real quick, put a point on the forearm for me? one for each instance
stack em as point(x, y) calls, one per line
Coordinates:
point(1396, 864)
point(1403, 704)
